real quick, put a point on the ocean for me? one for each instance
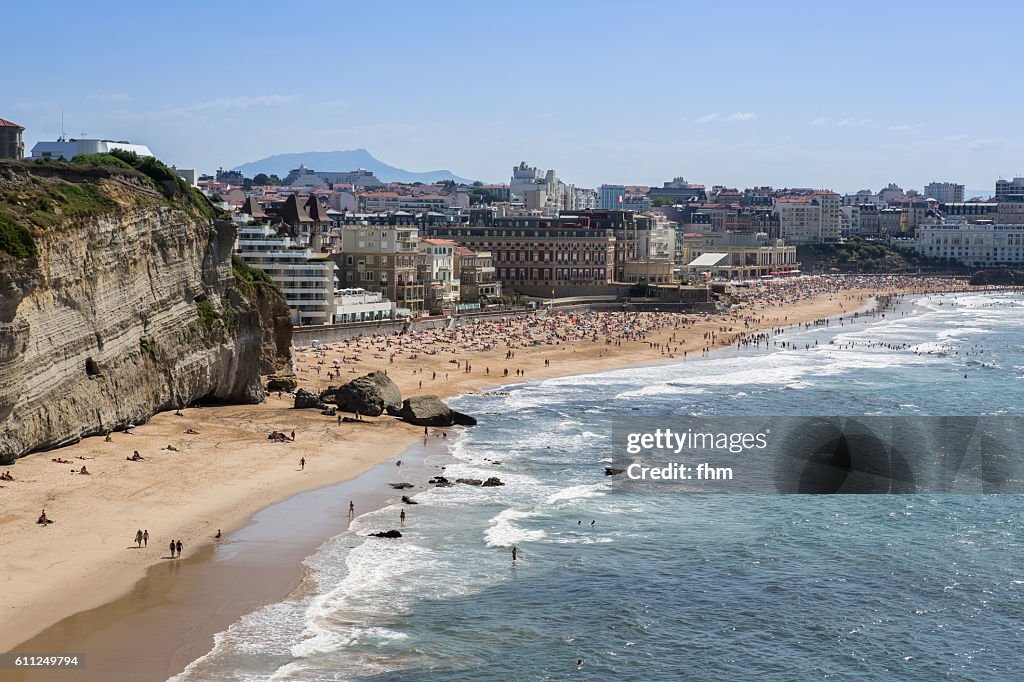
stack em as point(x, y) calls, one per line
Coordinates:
point(645, 586)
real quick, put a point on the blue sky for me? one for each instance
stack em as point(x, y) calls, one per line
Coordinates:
point(825, 94)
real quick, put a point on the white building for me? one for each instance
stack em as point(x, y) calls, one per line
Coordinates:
point(70, 148)
point(585, 199)
point(307, 279)
point(360, 305)
point(542, 192)
point(972, 243)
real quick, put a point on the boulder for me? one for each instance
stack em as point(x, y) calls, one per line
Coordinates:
point(429, 410)
point(386, 534)
point(281, 383)
point(440, 482)
point(469, 481)
point(492, 482)
point(613, 471)
point(304, 400)
point(370, 395)
point(400, 486)
point(408, 500)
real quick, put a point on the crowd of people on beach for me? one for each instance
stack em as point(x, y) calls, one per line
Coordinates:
point(753, 314)
point(748, 305)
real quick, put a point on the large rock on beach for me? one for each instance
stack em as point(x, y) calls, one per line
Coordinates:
point(305, 400)
point(429, 410)
point(371, 395)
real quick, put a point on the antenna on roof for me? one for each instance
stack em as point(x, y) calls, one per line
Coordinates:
point(62, 124)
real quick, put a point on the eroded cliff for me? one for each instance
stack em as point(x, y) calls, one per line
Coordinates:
point(118, 300)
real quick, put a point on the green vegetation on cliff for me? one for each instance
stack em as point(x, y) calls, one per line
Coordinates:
point(859, 255)
point(36, 196)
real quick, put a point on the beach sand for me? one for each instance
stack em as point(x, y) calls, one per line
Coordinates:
point(220, 477)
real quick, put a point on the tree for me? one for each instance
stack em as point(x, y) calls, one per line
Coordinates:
point(264, 179)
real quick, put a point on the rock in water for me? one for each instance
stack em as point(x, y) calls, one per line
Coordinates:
point(469, 481)
point(492, 482)
point(408, 500)
point(386, 534)
point(370, 395)
point(613, 471)
point(400, 486)
point(304, 400)
point(429, 410)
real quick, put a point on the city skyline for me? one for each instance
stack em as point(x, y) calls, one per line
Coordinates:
point(767, 95)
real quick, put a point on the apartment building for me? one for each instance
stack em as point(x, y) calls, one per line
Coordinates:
point(306, 278)
point(382, 257)
point(475, 270)
point(944, 192)
point(973, 244)
point(442, 288)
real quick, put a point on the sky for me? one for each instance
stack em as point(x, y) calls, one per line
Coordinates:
point(790, 94)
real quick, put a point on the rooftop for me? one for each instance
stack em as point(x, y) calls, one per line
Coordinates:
point(4, 123)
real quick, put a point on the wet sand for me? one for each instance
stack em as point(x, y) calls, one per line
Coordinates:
point(170, 617)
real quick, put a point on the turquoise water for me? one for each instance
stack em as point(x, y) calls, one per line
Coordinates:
point(668, 586)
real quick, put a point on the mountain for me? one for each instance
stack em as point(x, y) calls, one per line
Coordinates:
point(348, 160)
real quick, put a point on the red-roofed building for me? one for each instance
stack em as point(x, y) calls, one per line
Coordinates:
point(11, 144)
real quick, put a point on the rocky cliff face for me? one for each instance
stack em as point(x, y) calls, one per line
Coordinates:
point(128, 307)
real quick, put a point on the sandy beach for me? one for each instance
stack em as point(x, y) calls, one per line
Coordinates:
point(218, 477)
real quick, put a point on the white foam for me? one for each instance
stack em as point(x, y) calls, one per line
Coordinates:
point(578, 492)
point(503, 532)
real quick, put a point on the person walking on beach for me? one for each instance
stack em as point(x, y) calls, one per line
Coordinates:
point(351, 509)
point(178, 547)
point(171, 547)
point(401, 517)
point(138, 537)
point(145, 538)
point(302, 464)
point(293, 436)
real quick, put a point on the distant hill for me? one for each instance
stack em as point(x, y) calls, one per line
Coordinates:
point(348, 160)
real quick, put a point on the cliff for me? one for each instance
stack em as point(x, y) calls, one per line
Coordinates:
point(118, 299)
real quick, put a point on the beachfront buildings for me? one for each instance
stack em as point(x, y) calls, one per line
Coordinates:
point(11, 144)
point(738, 255)
point(578, 253)
point(382, 257)
point(944, 192)
point(437, 272)
point(973, 244)
point(306, 278)
point(360, 305)
point(478, 278)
